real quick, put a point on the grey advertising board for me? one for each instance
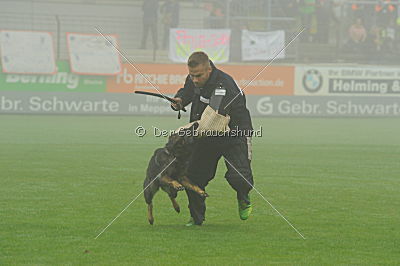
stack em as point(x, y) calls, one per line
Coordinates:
point(82, 103)
point(131, 104)
point(324, 106)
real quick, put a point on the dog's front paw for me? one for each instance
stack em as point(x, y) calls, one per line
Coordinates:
point(178, 187)
point(204, 194)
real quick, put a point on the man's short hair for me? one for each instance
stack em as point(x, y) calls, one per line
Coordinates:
point(198, 58)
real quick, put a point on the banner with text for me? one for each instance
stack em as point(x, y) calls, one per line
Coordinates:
point(324, 106)
point(261, 46)
point(183, 42)
point(63, 80)
point(132, 104)
point(93, 54)
point(168, 78)
point(347, 81)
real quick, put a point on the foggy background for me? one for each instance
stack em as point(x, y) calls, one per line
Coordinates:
point(329, 37)
point(341, 57)
point(71, 155)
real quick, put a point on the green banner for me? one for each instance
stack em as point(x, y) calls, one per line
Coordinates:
point(63, 80)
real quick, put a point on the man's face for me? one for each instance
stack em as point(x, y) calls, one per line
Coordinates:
point(200, 74)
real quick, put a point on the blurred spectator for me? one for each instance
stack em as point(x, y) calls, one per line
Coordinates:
point(357, 36)
point(150, 20)
point(307, 14)
point(375, 45)
point(376, 40)
point(337, 10)
point(337, 18)
point(389, 37)
point(170, 18)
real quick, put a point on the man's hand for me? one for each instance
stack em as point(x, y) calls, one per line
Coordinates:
point(178, 105)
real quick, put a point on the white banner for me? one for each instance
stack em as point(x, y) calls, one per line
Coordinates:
point(262, 45)
point(27, 52)
point(183, 42)
point(92, 54)
point(347, 81)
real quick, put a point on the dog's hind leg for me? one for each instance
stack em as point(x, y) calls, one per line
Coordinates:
point(150, 189)
point(175, 205)
point(150, 213)
point(172, 193)
point(148, 195)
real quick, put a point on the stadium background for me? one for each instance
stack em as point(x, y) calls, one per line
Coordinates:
point(65, 177)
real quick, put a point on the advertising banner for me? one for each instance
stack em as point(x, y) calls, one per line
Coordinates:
point(63, 80)
point(347, 81)
point(270, 94)
point(183, 42)
point(133, 104)
point(82, 103)
point(168, 78)
point(324, 106)
point(274, 80)
point(27, 52)
point(93, 54)
point(261, 46)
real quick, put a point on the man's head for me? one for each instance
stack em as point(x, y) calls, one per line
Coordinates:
point(199, 68)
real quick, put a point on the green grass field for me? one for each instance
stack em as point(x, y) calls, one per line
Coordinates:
point(64, 178)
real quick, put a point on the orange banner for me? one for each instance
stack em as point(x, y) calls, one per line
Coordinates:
point(274, 80)
point(168, 78)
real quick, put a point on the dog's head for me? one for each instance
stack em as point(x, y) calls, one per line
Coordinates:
point(179, 143)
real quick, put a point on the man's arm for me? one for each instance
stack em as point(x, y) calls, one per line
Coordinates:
point(184, 96)
point(233, 99)
point(235, 106)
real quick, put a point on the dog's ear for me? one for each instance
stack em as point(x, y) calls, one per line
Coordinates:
point(190, 131)
point(172, 139)
point(194, 126)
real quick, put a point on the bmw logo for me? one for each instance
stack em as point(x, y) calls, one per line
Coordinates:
point(312, 80)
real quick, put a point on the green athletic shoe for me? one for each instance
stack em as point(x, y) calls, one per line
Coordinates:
point(191, 222)
point(245, 209)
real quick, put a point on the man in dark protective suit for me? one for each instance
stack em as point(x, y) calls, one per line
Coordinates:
point(207, 86)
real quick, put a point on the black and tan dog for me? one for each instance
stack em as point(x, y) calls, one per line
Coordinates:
point(174, 177)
